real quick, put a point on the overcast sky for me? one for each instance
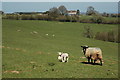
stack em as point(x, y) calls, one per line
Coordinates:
point(109, 7)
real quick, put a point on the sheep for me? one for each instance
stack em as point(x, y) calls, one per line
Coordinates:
point(35, 32)
point(18, 30)
point(92, 53)
point(53, 35)
point(63, 57)
point(46, 34)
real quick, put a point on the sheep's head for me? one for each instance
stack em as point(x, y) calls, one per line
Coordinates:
point(59, 53)
point(84, 48)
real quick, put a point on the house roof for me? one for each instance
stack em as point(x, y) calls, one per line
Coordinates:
point(72, 11)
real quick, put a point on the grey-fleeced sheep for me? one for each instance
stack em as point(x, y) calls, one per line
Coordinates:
point(92, 53)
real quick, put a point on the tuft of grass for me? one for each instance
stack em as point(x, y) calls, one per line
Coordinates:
point(51, 64)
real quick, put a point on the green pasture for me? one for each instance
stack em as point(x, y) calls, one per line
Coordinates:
point(26, 54)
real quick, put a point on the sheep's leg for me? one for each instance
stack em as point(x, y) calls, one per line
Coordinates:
point(67, 59)
point(100, 62)
point(91, 60)
point(63, 59)
point(60, 60)
point(95, 61)
point(88, 59)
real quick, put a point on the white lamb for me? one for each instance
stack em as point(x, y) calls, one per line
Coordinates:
point(63, 57)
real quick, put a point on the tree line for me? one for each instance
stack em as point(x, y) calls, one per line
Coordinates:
point(61, 14)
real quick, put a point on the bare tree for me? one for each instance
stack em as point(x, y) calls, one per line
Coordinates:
point(63, 10)
point(54, 12)
point(91, 11)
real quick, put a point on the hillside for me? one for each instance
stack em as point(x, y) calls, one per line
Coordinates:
point(30, 50)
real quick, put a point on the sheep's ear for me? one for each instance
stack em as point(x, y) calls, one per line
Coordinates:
point(82, 46)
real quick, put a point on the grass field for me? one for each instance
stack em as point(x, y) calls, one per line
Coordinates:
point(34, 55)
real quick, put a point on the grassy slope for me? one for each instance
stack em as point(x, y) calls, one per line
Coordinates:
point(42, 50)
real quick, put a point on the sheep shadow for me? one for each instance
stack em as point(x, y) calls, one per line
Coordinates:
point(90, 63)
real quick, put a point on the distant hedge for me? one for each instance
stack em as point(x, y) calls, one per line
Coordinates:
point(74, 18)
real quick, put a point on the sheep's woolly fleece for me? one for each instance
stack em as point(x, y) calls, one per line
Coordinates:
point(93, 52)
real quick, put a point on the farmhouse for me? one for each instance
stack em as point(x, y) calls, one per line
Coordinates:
point(72, 12)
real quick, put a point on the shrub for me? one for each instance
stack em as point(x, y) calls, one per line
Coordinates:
point(88, 32)
point(117, 35)
point(111, 36)
point(97, 19)
point(101, 36)
point(61, 18)
point(25, 17)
